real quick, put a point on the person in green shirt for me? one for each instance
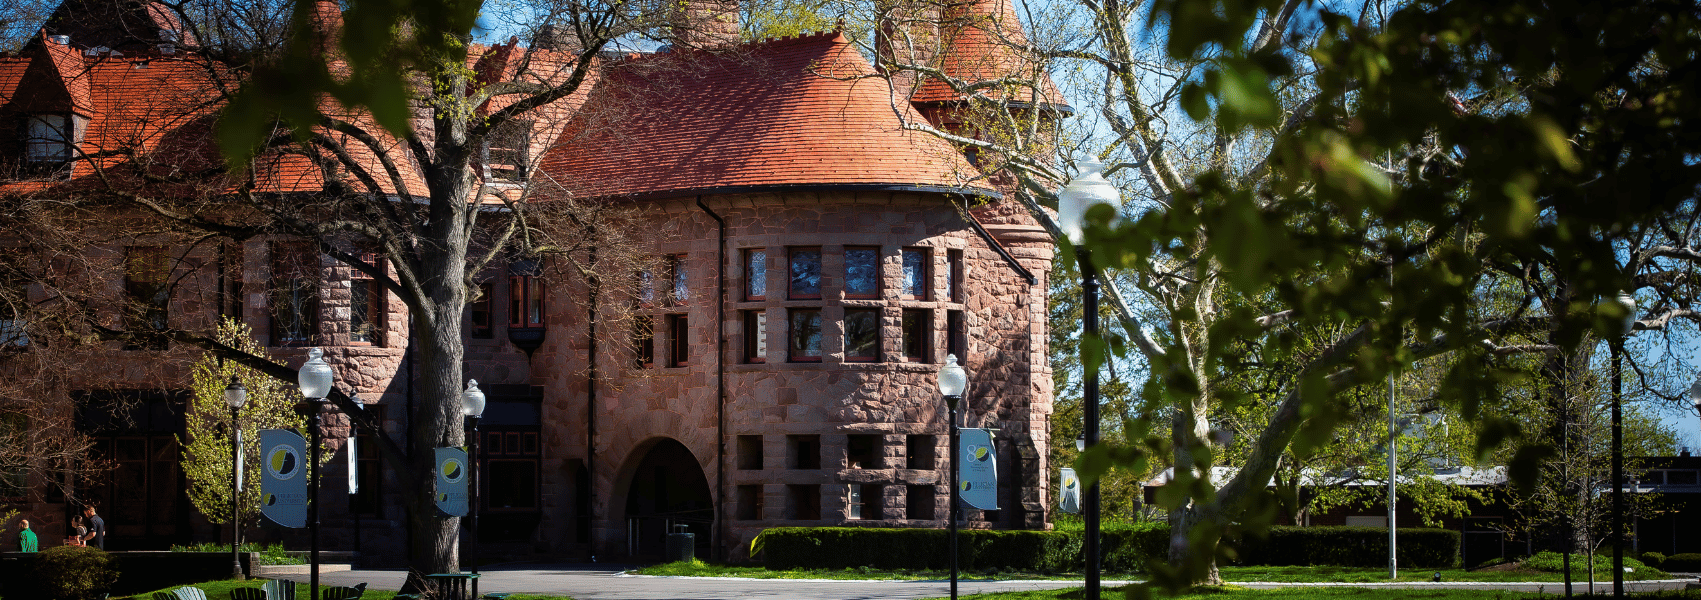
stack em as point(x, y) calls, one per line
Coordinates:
point(26, 537)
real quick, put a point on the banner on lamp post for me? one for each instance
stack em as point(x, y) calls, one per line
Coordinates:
point(1069, 492)
point(237, 443)
point(283, 477)
point(452, 481)
point(353, 468)
point(977, 469)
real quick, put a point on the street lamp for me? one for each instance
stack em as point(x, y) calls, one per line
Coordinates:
point(235, 395)
point(1625, 327)
point(1084, 191)
point(472, 407)
point(1695, 394)
point(952, 380)
point(315, 382)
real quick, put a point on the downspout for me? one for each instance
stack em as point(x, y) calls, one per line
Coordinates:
point(999, 248)
point(591, 420)
point(411, 357)
point(719, 535)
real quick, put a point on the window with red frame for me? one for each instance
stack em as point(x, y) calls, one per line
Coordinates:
point(805, 334)
point(862, 272)
point(755, 336)
point(679, 280)
point(294, 293)
point(862, 334)
point(916, 270)
point(679, 341)
point(805, 274)
point(917, 328)
point(525, 302)
point(954, 262)
point(365, 304)
point(755, 274)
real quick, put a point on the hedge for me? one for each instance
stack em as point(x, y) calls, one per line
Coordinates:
point(1123, 549)
point(1687, 562)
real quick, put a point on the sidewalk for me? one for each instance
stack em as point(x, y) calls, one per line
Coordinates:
point(603, 581)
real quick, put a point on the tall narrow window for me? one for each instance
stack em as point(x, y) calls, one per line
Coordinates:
point(862, 272)
point(643, 340)
point(956, 337)
point(805, 334)
point(147, 289)
point(805, 274)
point(365, 304)
point(479, 313)
point(646, 288)
point(954, 262)
point(805, 451)
point(917, 330)
point(679, 341)
point(679, 280)
point(525, 301)
point(755, 274)
point(295, 293)
point(805, 502)
point(749, 502)
point(915, 273)
point(755, 336)
point(862, 335)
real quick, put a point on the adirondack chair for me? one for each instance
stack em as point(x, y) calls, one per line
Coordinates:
point(248, 594)
point(343, 593)
point(279, 589)
point(164, 596)
point(189, 593)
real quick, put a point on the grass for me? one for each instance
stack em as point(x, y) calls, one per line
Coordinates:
point(269, 555)
point(1233, 574)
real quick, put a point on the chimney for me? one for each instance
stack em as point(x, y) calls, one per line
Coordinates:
point(1685, 453)
point(907, 35)
point(706, 23)
point(325, 22)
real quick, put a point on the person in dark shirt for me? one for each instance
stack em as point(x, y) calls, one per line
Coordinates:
point(97, 528)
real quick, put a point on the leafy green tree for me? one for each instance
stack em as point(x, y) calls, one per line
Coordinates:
point(206, 442)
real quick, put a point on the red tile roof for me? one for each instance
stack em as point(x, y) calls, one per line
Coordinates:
point(784, 113)
point(981, 41)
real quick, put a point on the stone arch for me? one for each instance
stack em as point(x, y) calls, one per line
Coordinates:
point(662, 485)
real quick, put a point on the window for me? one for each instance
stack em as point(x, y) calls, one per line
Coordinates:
point(750, 452)
point(864, 501)
point(805, 274)
point(755, 274)
point(507, 151)
point(147, 293)
point(805, 334)
point(14, 302)
point(864, 451)
point(679, 289)
point(510, 474)
point(755, 336)
point(917, 328)
point(862, 335)
point(525, 302)
point(644, 340)
point(679, 341)
point(954, 262)
point(919, 502)
point(862, 272)
point(14, 478)
point(367, 500)
point(749, 502)
point(48, 142)
point(295, 293)
point(1681, 477)
point(915, 273)
point(480, 313)
point(919, 452)
point(365, 304)
point(805, 502)
point(956, 337)
point(805, 451)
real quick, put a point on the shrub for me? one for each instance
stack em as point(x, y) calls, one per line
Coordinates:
point(1348, 547)
point(74, 573)
point(1687, 562)
point(1654, 559)
point(1554, 562)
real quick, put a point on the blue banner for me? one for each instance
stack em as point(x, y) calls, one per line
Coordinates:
point(977, 469)
point(283, 477)
point(452, 481)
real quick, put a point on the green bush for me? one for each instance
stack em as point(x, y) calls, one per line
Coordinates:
point(1653, 559)
point(1123, 549)
point(1687, 562)
point(74, 573)
point(1554, 562)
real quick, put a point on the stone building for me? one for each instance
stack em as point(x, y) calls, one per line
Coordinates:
point(818, 262)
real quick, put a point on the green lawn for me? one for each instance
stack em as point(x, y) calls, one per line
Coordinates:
point(220, 590)
point(1233, 593)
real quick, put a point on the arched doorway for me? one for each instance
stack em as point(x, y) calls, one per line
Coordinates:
point(667, 491)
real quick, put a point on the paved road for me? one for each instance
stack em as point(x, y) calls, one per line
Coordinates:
point(606, 582)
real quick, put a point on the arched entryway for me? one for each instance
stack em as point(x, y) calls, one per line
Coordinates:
point(667, 490)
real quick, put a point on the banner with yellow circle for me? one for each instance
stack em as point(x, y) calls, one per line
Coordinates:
point(451, 494)
point(977, 469)
point(283, 477)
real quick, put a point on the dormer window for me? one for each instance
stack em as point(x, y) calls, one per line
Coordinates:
point(507, 152)
point(48, 140)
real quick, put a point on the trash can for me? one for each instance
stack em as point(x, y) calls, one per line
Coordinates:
point(680, 545)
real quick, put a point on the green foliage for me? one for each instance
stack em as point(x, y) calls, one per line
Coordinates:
point(1554, 562)
point(1687, 562)
point(1350, 546)
point(1653, 559)
point(73, 573)
point(274, 554)
point(206, 451)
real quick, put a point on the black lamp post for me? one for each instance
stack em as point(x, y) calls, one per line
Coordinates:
point(315, 382)
point(235, 395)
point(472, 407)
point(1089, 187)
point(1617, 342)
point(952, 380)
